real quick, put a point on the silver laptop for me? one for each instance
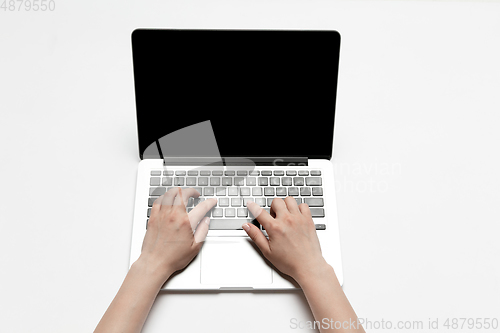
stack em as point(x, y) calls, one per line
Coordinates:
point(238, 115)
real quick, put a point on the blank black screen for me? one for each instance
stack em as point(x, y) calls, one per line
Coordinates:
point(266, 92)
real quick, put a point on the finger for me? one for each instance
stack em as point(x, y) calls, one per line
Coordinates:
point(168, 198)
point(278, 206)
point(202, 230)
point(257, 236)
point(201, 209)
point(179, 201)
point(157, 205)
point(272, 212)
point(260, 214)
point(291, 205)
point(188, 193)
point(304, 209)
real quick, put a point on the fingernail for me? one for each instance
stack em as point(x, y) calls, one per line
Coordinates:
point(206, 219)
point(246, 226)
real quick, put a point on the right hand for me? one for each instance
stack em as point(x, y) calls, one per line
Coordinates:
point(293, 245)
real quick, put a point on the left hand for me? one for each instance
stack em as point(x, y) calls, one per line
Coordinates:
point(174, 237)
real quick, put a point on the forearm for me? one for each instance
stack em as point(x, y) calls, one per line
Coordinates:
point(328, 303)
point(130, 307)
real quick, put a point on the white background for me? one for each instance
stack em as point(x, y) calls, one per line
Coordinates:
point(416, 161)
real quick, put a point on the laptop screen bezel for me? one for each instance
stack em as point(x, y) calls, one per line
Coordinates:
point(334, 37)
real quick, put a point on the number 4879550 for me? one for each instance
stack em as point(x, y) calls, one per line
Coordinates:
point(28, 5)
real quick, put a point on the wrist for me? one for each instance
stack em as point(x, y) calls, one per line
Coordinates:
point(313, 272)
point(151, 274)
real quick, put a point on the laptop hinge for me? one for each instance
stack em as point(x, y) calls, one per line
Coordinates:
point(276, 161)
point(188, 160)
point(235, 161)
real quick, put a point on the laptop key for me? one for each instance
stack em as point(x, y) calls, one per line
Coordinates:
point(232, 191)
point(279, 173)
point(260, 201)
point(257, 191)
point(242, 172)
point(317, 212)
point(227, 181)
point(266, 173)
point(242, 212)
point(157, 191)
point(166, 181)
point(313, 181)
point(320, 226)
point(168, 173)
point(269, 191)
point(217, 212)
point(293, 191)
point(239, 181)
point(274, 181)
point(149, 212)
point(291, 172)
point(223, 202)
point(298, 181)
point(317, 191)
point(180, 173)
point(229, 172)
point(178, 181)
point(196, 201)
point(203, 181)
point(263, 181)
point(156, 173)
point(151, 201)
point(286, 181)
point(235, 202)
point(315, 173)
point(281, 191)
point(208, 191)
point(245, 200)
point(305, 191)
point(299, 200)
point(303, 173)
point(154, 181)
point(205, 173)
point(229, 212)
point(251, 181)
point(193, 173)
point(220, 191)
point(244, 191)
point(314, 202)
point(228, 224)
point(190, 181)
point(214, 181)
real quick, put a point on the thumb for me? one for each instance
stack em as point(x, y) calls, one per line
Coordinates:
point(257, 236)
point(201, 231)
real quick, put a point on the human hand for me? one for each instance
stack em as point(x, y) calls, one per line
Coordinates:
point(174, 237)
point(293, 245)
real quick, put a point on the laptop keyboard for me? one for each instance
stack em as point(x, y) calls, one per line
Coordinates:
point(233, 188)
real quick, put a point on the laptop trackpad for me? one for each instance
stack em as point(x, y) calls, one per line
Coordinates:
point(233, 261)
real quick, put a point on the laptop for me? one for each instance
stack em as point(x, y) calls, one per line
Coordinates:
point(238, 115)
